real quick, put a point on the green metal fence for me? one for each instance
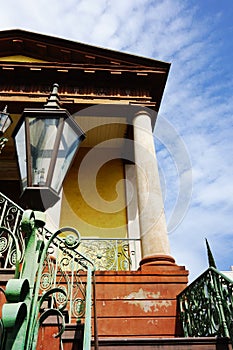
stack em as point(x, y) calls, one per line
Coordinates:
point(106, 254)
point(51, 277)
point(206, 306)
point(65, 266)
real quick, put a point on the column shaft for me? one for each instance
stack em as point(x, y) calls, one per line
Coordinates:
point(153, 230)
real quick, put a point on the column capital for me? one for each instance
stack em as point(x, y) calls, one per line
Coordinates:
point(142, 112)
point(142, 115)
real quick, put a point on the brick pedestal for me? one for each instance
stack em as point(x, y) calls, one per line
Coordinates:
point(140, 303)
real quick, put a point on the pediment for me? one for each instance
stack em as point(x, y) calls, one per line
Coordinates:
point(19, 43)
point(86, 74)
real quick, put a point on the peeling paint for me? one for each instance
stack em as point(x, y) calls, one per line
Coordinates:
point(141, 294)
point(154, 322)
point(149, 305)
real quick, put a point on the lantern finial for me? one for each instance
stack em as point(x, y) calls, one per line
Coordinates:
point(53, 100)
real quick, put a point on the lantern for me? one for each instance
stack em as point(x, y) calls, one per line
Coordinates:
point(46, 141)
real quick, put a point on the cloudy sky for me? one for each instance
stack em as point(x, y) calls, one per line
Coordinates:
point(195, 154)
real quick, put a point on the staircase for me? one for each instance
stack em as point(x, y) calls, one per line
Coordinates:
point(135, 309)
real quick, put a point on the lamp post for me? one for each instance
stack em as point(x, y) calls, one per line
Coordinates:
point(5, 122)
point(46, 141)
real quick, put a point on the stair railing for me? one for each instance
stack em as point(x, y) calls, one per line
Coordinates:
point(206, 306)
point(50, 277)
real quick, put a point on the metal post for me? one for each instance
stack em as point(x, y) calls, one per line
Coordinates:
point(87, 326)
point(20, 290)
point(219, 302)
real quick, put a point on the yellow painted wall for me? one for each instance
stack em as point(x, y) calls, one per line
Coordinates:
point(99, 213)
point(20, 58)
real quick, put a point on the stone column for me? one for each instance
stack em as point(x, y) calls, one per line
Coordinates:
point(153, 230)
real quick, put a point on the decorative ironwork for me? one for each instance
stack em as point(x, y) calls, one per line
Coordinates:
point(62, 264)
point(51, 276)
point(106, 254)
point(111, 254)
point(206, 306)
point(66, 272)
point(10, 217)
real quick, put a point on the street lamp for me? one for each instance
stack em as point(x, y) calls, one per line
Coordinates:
point(46, 141)
point(5, 122)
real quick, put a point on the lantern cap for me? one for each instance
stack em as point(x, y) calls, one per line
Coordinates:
point(53, 99)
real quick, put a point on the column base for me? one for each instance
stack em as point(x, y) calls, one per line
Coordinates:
point(162, 261)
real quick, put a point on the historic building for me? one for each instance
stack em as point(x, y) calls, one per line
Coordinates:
point(111, 193)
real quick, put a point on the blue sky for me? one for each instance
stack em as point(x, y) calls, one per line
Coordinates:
point(195, 158)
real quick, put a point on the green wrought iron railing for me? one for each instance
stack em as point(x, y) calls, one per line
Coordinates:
point(206, 306)
point(51, 277)
point(106, 254)
point(66, 266)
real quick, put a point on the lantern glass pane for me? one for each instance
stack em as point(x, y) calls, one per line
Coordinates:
point(68, 146)
point(42, 141)
point(21, 154)
point(5, 122)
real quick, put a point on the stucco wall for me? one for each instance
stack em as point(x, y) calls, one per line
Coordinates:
point(93, 198)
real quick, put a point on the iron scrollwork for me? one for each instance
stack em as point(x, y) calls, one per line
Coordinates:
point(49, 276)
point(109, 254)
point(10, 218)
point(206, 306)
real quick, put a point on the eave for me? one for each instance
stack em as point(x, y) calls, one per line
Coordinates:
point(75, 61)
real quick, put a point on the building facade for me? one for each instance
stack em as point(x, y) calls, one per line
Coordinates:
point(111, 193)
